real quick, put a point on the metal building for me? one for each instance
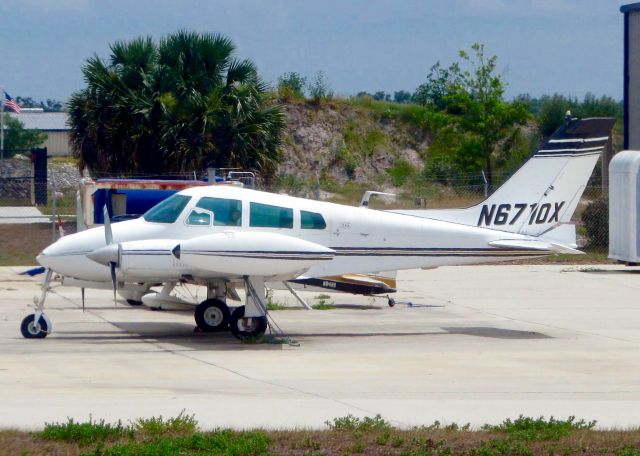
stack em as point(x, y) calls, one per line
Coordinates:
point(54, 124)
point(631, 75)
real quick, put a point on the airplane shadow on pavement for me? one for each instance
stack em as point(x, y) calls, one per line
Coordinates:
point(183, 334)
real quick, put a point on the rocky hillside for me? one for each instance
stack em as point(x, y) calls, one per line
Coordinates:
point(350, 141)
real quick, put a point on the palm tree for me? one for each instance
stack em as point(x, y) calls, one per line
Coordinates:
point(180, 104)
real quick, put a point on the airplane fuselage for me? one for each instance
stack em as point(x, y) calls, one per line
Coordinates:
point(363, 240)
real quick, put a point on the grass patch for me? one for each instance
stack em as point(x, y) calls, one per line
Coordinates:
point(225, 442)
point(323, 306)
point(344, 435)
point(22, 242)
point(324, 302)
point(275, 306)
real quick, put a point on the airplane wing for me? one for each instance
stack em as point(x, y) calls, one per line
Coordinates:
point(364, 284)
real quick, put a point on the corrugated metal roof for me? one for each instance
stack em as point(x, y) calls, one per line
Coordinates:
point(48, 121)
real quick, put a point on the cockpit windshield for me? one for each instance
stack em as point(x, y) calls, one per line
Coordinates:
point(168, 210)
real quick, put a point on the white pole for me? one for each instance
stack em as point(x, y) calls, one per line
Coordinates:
point(2, 124)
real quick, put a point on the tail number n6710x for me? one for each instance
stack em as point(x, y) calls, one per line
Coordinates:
point(503, 214)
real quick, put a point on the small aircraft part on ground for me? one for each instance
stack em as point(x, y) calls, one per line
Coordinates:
point(225, 237)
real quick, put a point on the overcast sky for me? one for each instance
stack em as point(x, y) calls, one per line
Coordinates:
point(543, 46)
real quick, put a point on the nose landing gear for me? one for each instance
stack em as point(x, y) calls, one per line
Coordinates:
point(37, 325)
point(31, 329)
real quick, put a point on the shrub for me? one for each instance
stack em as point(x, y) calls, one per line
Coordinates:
point(401, 171)
point(527, 428)
point(182, 424)
point(291, 86)
point(319, 89)
point(596, 222)
point(85, 433)
point(353, 423)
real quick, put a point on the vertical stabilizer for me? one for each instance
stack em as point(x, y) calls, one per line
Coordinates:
point(545, 191)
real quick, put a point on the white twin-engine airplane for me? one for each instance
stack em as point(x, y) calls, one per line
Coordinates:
point(223, 237)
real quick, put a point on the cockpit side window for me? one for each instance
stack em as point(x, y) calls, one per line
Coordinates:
point(167, 211)
point(265, 215)
point(199, 217)
point(226, 212)
point(312, 221)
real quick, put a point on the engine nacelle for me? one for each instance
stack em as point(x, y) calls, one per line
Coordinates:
point(251, 253)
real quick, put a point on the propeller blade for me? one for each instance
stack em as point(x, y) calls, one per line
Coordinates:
point(112, 266)
point(82, 293)
point(108, 235)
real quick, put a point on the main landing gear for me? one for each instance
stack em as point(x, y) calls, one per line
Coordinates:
point(37, 325)
point(247, 328)
point(247, 322)
point(212, 315)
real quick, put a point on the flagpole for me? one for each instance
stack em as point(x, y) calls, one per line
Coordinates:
point(2, 125)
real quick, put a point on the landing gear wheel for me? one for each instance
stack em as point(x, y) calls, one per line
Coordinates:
point(32, 330)
point(133, 302)
point(247, 328)
point(212, 315)
point(391, 302)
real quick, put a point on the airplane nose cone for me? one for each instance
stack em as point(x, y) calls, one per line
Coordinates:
point(105, 255)
point(43, 260)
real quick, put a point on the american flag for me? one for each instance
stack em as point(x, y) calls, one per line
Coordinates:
point(11, 103)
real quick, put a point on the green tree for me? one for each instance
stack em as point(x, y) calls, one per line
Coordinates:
point(470, 95)
point(50, 105)
point(551, 110)
point(440, 85)
point(17, 138)
point(402, 96)
point(381, 95)
point(181, 104)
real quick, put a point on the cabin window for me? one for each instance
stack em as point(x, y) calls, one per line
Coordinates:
point(264, 215)
point(167, 211)
point(226, 212)
point(199, 217)
point(312, 221)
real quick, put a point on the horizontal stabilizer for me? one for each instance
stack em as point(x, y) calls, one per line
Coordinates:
point(534, 245)
point(562, 234)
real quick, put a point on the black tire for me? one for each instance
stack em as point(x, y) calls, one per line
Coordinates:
point(30, 330)
point(391, 302)
point(247, 330)
point(133, 302)
point(212, 315)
